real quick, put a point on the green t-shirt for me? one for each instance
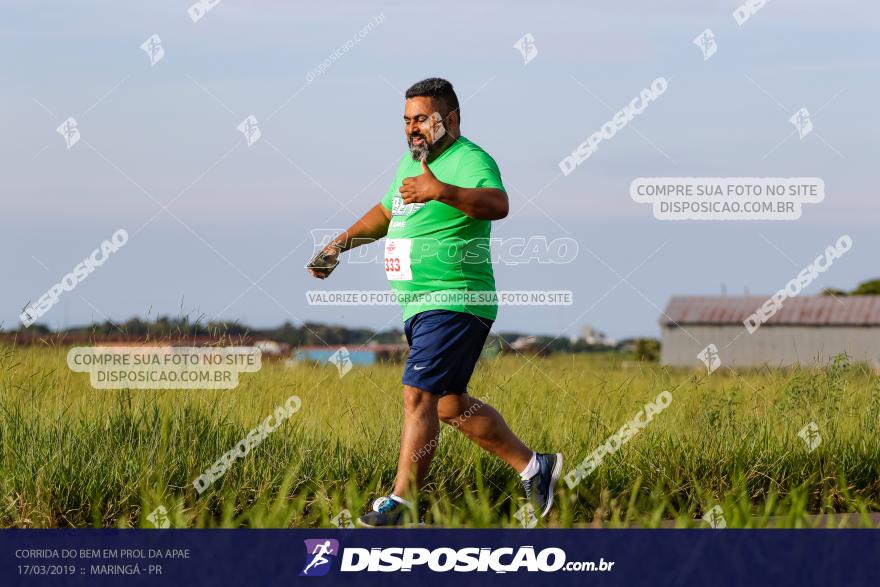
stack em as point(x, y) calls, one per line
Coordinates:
point(446, 250)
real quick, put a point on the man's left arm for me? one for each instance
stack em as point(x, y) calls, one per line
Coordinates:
point(482, 203)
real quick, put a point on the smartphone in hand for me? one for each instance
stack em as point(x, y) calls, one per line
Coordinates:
point(323, 263)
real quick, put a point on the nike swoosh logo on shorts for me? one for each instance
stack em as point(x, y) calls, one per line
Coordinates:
point(417, 368)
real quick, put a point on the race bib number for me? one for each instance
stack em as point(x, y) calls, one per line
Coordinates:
point(397, 259)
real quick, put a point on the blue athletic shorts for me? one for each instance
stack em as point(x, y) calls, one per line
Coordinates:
point(444, 347)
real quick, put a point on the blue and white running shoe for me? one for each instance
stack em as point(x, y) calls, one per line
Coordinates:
point(386, 513)
point(539, 488)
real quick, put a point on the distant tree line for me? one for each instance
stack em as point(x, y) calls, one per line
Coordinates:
point(309, 333)
point(166, 327)
point(866, 288)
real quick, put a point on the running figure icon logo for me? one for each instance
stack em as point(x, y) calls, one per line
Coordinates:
point(318, 552)
point(706, 42)
point(69, 129)
point(527, 48)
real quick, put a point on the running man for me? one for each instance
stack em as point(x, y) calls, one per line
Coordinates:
point(320, 559)
point(437, 218)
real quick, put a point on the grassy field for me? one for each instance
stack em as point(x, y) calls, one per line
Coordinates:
point(72, 456)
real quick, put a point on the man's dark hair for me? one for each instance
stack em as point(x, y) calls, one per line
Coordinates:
point(438, 88)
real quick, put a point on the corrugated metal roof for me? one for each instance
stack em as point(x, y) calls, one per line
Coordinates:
point(801, 310)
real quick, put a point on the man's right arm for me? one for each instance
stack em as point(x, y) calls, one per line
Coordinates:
point(369, 228)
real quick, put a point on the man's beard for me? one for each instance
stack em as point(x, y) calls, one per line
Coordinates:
point(419, 152)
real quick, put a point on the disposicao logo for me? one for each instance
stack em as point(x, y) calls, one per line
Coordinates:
point(318, 553)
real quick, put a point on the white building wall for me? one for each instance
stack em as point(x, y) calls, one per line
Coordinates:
point(770, 345)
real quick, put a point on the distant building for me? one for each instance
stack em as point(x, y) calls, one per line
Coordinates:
point(806, 330)
point(271, 348)
point(528, 345)
point(595, 337)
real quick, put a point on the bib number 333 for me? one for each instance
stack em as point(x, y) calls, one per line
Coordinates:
point(397, 259)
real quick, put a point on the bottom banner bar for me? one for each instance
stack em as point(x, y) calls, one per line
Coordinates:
point(439, 557)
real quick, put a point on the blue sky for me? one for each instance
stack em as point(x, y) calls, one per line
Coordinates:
point(242, 214)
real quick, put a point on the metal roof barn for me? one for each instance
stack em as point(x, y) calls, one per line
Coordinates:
point(805, 330)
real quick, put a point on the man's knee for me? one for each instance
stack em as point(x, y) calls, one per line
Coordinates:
point(450, 408)
point(417, 400)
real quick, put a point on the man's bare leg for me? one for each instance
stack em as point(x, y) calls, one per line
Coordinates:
point(417, 440)
point(482, 424)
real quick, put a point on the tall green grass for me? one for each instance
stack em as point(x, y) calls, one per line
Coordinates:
point(73, 456)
